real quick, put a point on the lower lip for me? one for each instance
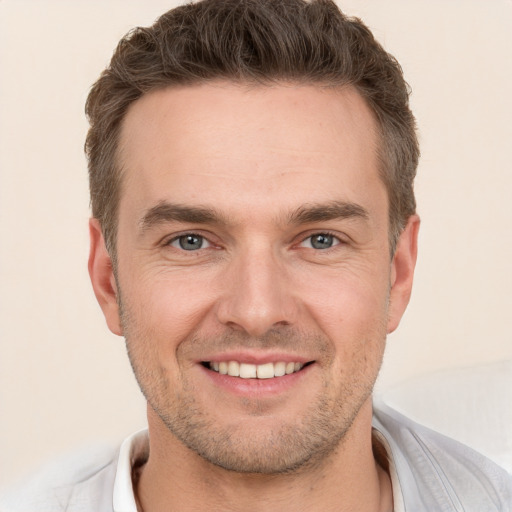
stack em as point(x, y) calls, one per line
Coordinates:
point(257, 387)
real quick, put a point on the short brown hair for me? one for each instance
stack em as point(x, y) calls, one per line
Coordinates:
point(252, 41)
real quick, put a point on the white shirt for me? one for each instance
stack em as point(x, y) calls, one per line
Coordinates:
point(429, 473)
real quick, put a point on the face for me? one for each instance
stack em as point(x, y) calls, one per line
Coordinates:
point(254, 278)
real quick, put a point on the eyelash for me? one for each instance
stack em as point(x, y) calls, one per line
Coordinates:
point(176, 239)
point(336, 239)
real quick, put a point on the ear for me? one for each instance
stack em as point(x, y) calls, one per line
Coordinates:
point(402, 272)
point(102, 277)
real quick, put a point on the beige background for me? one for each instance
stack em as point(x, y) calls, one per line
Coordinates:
point(64, 379)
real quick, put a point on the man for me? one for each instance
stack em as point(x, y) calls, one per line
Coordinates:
point(254, 239)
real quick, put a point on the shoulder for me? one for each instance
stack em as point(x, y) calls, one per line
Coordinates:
point(435, 470)
point(79, 482)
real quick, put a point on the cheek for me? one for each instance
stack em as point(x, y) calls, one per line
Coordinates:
point(344, 302)
point(166, 307)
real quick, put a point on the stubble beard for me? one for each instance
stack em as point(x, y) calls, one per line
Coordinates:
point(284, 448)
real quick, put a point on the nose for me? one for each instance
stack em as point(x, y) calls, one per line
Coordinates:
point(258, 294)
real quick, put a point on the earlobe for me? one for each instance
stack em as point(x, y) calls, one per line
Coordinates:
point(402, 272)
point(102, 277)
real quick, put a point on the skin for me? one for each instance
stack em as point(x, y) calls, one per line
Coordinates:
point(263, 163)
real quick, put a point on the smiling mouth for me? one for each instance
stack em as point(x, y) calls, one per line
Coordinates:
point(255, 371)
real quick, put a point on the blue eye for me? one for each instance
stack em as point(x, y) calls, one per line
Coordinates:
point(320, 241)
point(190, 242)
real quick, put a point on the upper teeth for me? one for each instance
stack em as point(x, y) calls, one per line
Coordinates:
point(255, 371)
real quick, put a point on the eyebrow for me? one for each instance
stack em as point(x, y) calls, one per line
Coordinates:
point(330, 211)
point(165, 212)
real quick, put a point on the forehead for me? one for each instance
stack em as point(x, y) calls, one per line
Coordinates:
point(229, 145)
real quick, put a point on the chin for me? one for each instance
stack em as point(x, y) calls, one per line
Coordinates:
point(266, 445)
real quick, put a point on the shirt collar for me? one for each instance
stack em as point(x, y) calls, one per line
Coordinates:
point(398, 499)
point(134, 450)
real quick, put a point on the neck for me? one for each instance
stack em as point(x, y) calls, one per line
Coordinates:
point(175, 478)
